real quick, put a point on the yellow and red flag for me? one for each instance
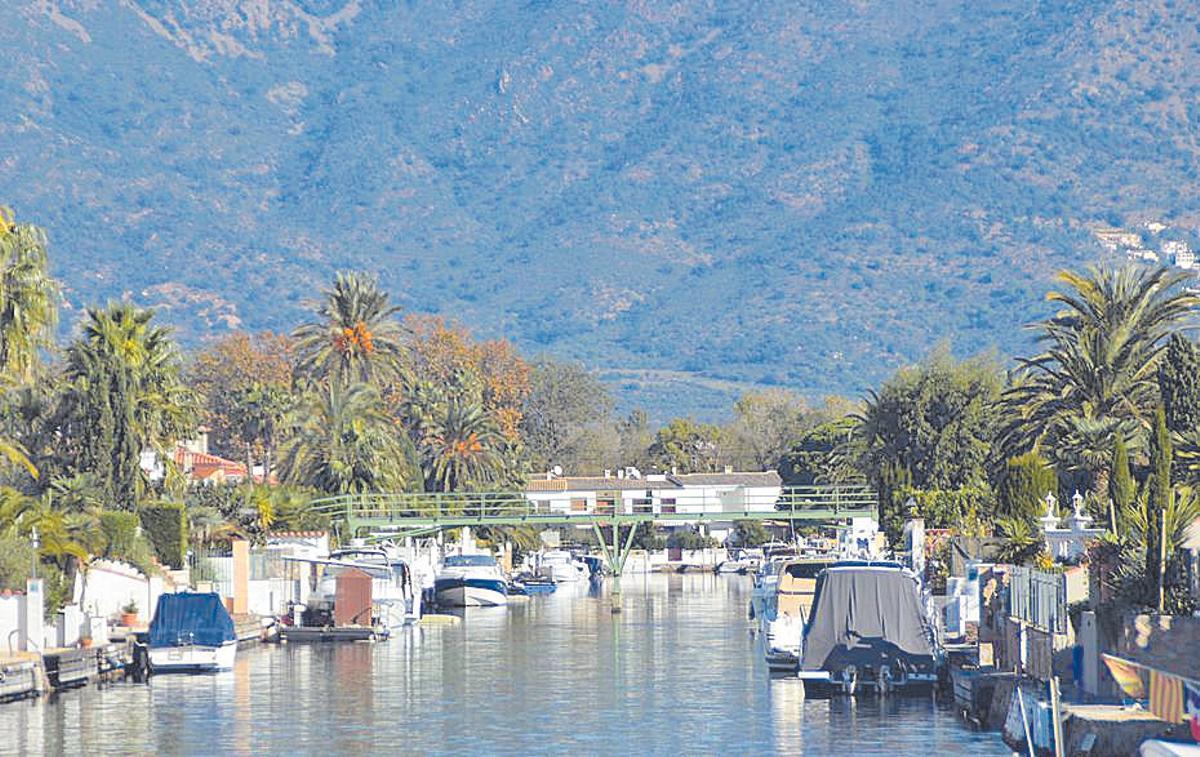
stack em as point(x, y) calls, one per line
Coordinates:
point(1128, 675)
point(1166, 697)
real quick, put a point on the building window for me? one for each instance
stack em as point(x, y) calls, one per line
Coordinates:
point(579, 505)
point(668, 505)
point(643, 505)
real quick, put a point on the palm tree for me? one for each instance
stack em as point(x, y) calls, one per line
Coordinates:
point(28, 297)
point(356, 337)
point(126, 395)
point(466, 451)
point(341, 440)
point(1096, 376)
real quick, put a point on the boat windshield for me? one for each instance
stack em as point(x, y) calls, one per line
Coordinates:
point(462, 561)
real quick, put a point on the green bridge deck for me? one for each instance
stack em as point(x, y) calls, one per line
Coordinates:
point(397, 513)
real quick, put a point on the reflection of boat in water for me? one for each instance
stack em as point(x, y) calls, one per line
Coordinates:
point(868, 629)
point(191, 632)
point(470, 581)
point(787, 608)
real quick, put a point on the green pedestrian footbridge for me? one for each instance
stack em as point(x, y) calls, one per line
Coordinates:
point(398, 515)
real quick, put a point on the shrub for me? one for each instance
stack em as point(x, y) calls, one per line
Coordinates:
point(963, 510)
point(120, 530)
point(165, 525)
point(686, 538)
point(1023, 488)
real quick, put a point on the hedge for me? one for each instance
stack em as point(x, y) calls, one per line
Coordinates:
point(120, 530)
point(165, 525)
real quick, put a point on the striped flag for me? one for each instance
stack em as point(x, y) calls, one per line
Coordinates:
point(1166, 697)
point(1128, 675)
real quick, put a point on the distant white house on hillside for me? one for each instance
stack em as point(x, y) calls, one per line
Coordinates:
point(1179, 253)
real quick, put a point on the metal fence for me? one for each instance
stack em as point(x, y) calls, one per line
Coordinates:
point(1038, 598)
point(213, 565)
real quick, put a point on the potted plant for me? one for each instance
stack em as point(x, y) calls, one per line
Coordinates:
point(129, 614)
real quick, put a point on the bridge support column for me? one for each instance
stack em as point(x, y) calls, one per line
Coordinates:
point(615, 556)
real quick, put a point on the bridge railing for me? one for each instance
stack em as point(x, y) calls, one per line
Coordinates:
point(842, 500)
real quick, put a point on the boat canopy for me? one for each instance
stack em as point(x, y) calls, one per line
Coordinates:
point(191, 618)
point(462, 561)
point(865, 615)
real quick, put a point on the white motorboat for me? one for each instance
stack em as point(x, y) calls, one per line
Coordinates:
point(470, 581)
point(395, 595)
point(191, 633)
point(561, 567)
point(785, 610)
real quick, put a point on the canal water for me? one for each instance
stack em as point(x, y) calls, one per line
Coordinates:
point(676, 673)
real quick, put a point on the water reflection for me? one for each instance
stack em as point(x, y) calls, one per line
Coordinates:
point(676, 671)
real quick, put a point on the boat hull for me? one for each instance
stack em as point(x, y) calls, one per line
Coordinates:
point(470, 592)
point(193, 658)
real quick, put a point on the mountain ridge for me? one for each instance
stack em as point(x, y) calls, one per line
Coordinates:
point(794, 194)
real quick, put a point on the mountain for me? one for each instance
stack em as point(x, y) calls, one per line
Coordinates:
point(694, 197)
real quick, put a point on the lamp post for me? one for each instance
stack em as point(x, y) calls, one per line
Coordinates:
point(34, 559)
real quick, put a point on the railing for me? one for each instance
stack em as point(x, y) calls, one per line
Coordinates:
point(650, 503)
point(1038, 598)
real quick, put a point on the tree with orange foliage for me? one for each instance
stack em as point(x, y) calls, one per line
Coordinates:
point(233, 367)
point(491, 374)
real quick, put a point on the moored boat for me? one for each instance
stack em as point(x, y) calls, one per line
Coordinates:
point(561, 566)
point(191, 632)
point(395, 596)
point(470, 581)
point(868, 629)
point(786, 609)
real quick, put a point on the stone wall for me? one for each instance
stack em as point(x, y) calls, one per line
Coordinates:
point(1165, 642)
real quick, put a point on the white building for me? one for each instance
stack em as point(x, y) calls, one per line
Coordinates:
point(1179, 253)
point(629, 491)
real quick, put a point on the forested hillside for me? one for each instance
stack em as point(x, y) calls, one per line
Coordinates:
point(691, 196)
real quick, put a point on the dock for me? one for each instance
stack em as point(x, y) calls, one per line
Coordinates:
point(329, 634)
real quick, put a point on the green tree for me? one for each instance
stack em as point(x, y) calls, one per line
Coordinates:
point(256, 412)
point(567, 406)
point(1162, 497)
point(1122, 489)
point(341, 440)
point(688, 447)
point(356, 337)
point(749, 533)
point(937, 420)
point(467, 451)
point(1026, 481)
point(634, 437)
point(1096, 377)
point(824, 454)
point(765, 426)
point(125, 395)
point(1179, 384)
point(28, 297)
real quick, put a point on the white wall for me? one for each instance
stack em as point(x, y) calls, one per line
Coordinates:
point(270, 596)
point(10, 622)
point(109, 586)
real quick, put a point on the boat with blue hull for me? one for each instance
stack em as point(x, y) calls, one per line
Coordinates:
point(470, 581)
point(192, 632)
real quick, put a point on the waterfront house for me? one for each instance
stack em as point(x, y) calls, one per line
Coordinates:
point(628, 490)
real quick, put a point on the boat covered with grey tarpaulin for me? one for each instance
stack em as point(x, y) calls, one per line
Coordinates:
point(868, 629)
